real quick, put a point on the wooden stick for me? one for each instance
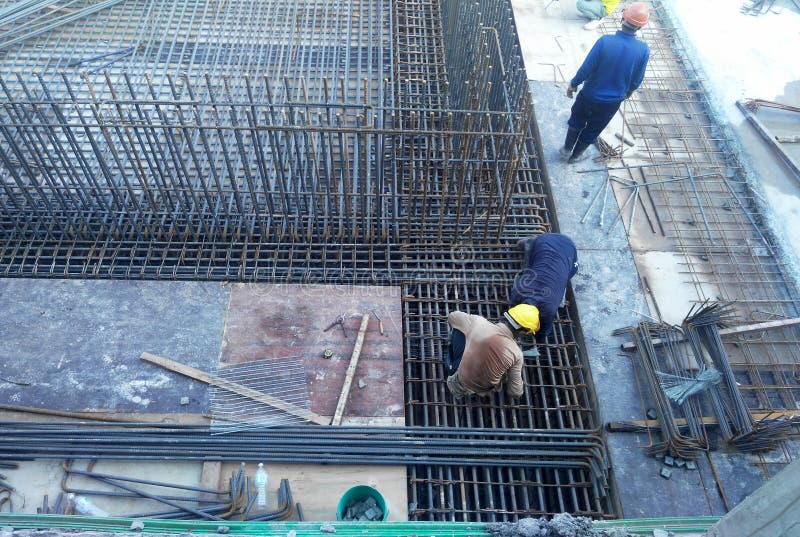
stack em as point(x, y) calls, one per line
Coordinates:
point(744, 329)
point(97, 415)
point(250, 393)
point(351, 371)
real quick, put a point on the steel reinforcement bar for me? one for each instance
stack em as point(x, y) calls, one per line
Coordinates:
point(714, 218)
point(346, 142)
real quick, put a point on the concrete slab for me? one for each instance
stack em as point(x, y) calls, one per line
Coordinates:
point(552, 38)
point(76, 344)
point(606, 287)
point(751, 57)
point(609, 295)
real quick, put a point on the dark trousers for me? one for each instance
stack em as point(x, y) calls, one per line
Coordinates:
point(590, 117)
point(458, 342)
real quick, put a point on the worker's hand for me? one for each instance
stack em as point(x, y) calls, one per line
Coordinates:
point(571, 91)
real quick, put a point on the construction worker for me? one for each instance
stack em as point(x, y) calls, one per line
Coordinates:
point(485, 355)
point(550, 261)
point(610, 73)
point(595, 10)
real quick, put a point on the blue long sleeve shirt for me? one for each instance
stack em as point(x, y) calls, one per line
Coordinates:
point(614, 67)
point(551, 260)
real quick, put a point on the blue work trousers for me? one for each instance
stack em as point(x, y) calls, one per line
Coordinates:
point(591, 117)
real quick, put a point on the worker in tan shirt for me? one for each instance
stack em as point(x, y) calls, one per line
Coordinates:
point(486, 352)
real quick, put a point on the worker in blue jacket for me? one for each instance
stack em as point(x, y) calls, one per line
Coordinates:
point(550, 261)
point(610, 73)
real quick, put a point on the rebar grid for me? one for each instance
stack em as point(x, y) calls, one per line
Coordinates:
point(283, 378)
point(347, 40)
point(713, 217)
point(557, 394)
point(356, 142)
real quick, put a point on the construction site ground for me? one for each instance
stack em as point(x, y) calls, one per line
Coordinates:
point(208, 326)
point(631, 275)
point(628, 273)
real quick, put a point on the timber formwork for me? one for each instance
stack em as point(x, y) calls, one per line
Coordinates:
point(348, 142)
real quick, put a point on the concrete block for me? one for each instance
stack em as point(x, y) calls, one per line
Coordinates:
point(691, 465)
point(669, 460)
point(666, 473)
point(327, 528)
point(680, 463)
point(137, 525)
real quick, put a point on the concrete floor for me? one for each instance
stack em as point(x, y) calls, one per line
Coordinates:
point(608, 288)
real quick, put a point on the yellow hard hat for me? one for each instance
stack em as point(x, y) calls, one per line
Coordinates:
point(523, 316)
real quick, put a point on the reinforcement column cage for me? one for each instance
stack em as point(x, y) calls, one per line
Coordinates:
point(345, 142)
point(93, 159)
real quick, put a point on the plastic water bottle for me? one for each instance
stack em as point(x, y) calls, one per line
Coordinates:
point(84, 506)
point(261, 485)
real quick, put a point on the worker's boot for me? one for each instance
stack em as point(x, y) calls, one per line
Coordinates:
point(569, 143)
point(579, 152)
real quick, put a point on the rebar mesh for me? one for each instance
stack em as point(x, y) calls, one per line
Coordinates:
point(713, 218)
point(346, 142)
point(282, 379)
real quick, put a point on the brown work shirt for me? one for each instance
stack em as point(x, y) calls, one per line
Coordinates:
point(490, 351)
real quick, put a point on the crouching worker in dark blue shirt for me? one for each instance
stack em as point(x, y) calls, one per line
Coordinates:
point(610, 73)
point(551, 260)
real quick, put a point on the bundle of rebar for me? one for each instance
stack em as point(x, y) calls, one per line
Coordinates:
point(683, 380)
point(237, 501)
point(651, 363)
point(737, 424)
point(461, 447)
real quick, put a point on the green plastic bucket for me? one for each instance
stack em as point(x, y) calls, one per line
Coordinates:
point(360, 493)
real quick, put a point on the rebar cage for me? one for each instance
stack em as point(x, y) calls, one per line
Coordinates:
point(359, 141)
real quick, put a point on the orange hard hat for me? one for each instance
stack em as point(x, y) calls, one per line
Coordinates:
point(637, 14)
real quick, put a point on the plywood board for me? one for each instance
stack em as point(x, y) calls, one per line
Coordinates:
point(319, 488)
point(273, 321)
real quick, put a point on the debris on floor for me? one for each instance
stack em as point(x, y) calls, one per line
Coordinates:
point(562, 525)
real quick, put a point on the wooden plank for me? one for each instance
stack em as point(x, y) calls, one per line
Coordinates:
point(255, 395)
point(318, 488)
point(637, 425)
point(743, 329)
point(209, 479)
point(351, 371)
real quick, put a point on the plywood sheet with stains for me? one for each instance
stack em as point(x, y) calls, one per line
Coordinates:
point(272, 321)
